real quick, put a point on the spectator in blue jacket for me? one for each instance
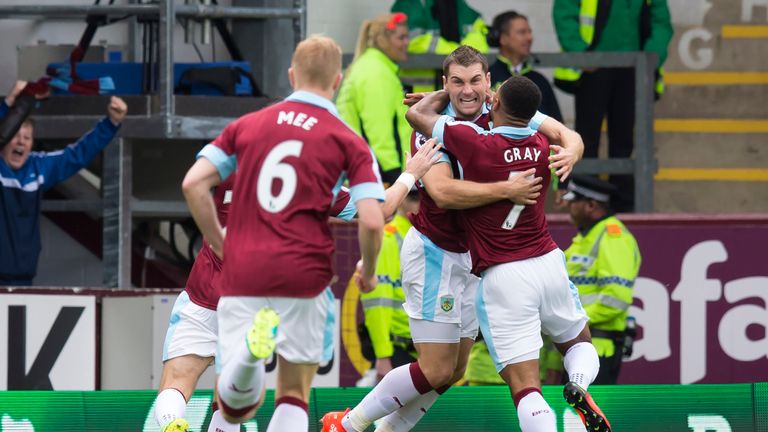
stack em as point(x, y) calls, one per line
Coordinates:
point(25, 175)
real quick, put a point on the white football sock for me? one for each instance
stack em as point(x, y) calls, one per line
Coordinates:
point(289, 417)
point(582, 364)
point(535, 414)
point(169, 405)
point(398, 388)
point(220, 424)
point(241, 380)
point(407, 417)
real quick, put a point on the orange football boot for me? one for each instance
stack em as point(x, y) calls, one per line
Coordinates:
point(331, 422)
point(581, 401)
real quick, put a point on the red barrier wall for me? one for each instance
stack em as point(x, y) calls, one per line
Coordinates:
point(701, 300)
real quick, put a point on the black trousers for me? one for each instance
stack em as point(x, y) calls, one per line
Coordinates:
point(610, 94)
point(401, 356)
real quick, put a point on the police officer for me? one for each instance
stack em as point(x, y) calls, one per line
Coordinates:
point(385, 318)
point(602, 261)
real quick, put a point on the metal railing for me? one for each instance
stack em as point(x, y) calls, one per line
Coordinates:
point(159, 120)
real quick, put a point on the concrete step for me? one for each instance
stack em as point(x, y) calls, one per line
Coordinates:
point(714, 101)
point(699, 150)
point(710, 197)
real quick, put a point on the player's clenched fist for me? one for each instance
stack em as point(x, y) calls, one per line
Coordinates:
point(117, 109)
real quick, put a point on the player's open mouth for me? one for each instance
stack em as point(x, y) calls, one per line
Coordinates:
point(18, 151)
point(467, 101)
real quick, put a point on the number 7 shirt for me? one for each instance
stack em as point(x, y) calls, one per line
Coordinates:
point(291, 159)
point(503, 231)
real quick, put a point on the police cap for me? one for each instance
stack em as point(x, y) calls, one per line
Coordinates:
point(589, 187)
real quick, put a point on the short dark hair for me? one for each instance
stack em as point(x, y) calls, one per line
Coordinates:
point(500, 26)
point(520, 97)
point(465, 56)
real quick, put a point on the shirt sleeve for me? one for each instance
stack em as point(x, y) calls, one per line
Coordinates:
point(59, 165)
point(565, 15)
point(221, 152)
point(417, 140)
point(363, 173)
point(455, 135)
point(661, 31)
point(343, 207)
point(537, 120)
point(3, 109)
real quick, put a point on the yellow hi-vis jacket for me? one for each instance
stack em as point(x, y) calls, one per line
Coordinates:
point(370, 100)
point(385, 318)
point(603, 264)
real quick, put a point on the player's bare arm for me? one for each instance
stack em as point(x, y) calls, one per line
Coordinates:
point(568, 147)
point(415, 168)
point(197, 185)
point(449, 193)
point(423, 115)
point(370, 226)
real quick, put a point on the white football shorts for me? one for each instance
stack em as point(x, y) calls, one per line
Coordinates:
point(438, 284)
point(304, 335)
point(192, 329)
point(516, 301)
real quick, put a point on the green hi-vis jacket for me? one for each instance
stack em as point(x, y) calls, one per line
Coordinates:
point(424, 31)
point(603, 264)
point(626, 25)
point(371, 102)
point(383, 307)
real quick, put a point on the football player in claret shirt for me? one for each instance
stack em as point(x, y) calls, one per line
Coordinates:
point(291, 159)
point(190, 342)
point(525, 287)
point(435, 263)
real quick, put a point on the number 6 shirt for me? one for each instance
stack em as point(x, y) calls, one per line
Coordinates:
point(501, 232)
point(291, 159)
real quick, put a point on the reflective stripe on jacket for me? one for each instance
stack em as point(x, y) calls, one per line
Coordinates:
point(603, 264)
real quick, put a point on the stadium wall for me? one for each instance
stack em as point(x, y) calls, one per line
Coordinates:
point(700, 303)
point(700, 298)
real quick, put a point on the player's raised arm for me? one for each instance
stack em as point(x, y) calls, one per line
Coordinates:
point(423, 115)
point(567, 145)
point(197, 186)
point(415, 168)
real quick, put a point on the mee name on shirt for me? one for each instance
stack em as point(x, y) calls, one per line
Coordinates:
point(496, 233)
point(292, 159)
